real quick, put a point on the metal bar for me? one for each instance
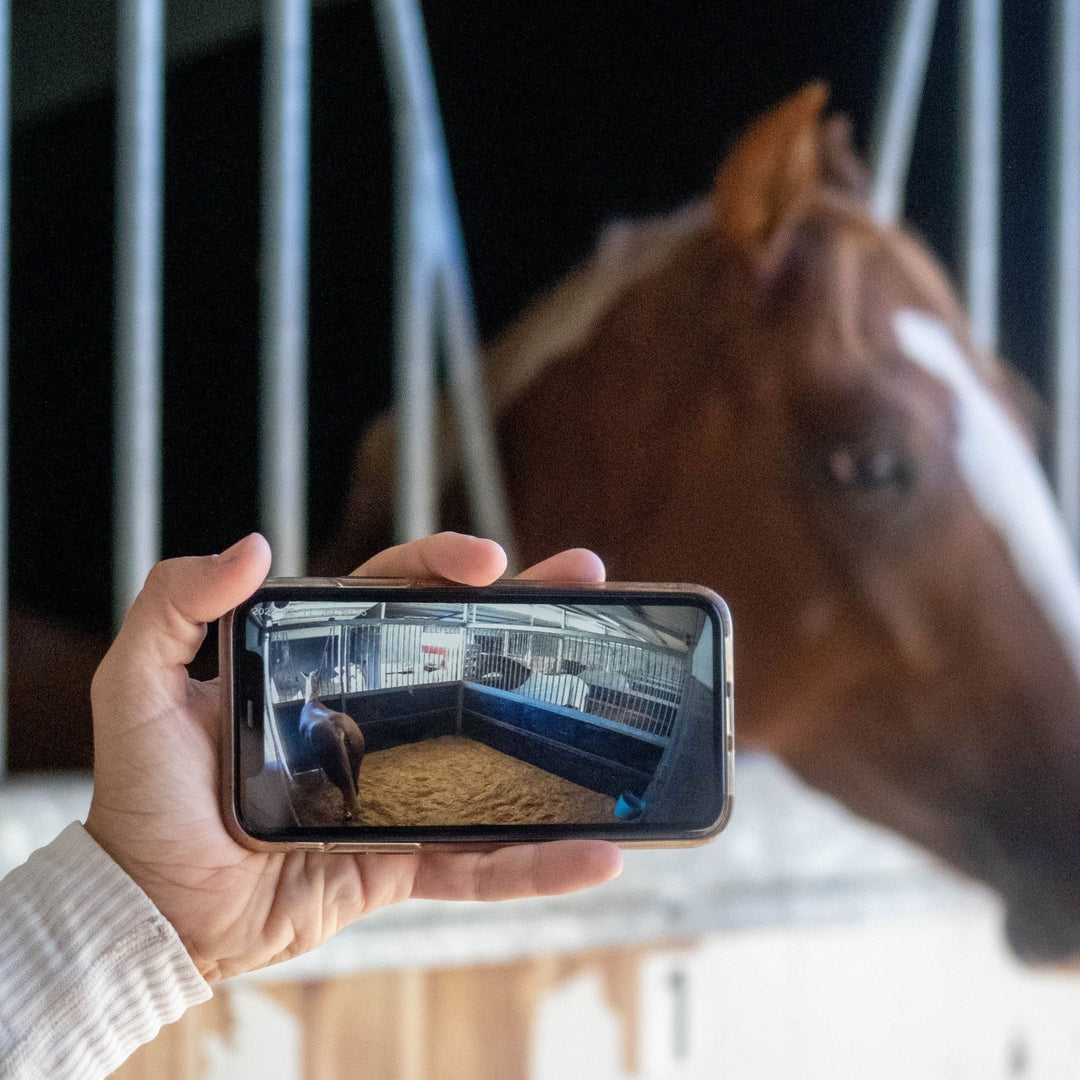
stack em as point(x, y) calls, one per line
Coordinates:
point(415, 508)
point(1066, 292)
point(137, 367)
point(430, 266)
point(480, 458)
point(283, 314)
point(418, 227)
point(982, 164)
point(5, 140)
point(898, 106)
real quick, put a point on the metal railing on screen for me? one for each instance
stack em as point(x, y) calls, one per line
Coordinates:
point(637, 686)
point(614, 680)
point(377, 655)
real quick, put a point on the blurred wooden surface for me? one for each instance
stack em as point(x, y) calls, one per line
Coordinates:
point(443, 1024)
point(931, 995)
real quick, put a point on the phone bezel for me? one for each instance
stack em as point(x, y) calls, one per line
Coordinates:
point(457, 837)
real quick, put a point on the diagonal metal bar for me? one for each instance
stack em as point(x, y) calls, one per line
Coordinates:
point(910, 37)
point(433, 296)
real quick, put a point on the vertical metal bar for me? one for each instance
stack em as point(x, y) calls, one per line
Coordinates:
point(137, 368)
point(5, 129)
point(346, 665)
point(283, 336)
point(1066, 301)
point(910, 38)
point(982, 164)
point(652, 704)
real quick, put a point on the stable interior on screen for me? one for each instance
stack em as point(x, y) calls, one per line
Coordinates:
point(480, 714)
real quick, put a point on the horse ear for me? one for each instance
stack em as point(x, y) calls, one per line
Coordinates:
point(764, 185)
point(841, 167)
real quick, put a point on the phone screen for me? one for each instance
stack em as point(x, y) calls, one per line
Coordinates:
point(359, 716)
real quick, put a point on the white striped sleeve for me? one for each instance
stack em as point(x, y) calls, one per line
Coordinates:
point(89, 968)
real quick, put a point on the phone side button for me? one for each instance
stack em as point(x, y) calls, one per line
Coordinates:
point(393, 849)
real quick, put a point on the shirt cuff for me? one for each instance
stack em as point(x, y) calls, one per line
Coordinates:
point(89, 968)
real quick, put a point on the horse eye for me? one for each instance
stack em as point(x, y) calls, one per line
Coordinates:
point(874, 469)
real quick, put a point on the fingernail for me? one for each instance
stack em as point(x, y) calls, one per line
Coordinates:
point(230, 553)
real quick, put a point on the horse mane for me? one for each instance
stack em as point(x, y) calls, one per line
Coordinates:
point(562, 319)
point(856, 232)
point(852, 233)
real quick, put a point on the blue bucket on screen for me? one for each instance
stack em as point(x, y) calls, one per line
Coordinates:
point(628, 806)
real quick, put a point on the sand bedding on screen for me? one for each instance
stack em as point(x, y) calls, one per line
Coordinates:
point(452, 780)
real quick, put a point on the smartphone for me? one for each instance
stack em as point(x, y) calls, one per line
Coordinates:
point(378, 714)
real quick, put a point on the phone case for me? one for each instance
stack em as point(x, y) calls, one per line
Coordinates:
point(240, 728)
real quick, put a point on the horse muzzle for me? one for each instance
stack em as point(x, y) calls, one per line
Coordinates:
point(1041, 891)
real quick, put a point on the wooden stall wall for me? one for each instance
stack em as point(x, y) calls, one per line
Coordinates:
point(477, 1022)
point(916, 994)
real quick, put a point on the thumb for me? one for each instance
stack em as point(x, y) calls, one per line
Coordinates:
point(167, 622)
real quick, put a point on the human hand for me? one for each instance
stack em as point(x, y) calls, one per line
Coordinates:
point(157, 752)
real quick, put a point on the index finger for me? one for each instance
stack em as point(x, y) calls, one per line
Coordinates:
point(453, 556)
point(574, 564)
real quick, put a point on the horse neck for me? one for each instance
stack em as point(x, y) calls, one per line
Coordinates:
point(599, 434)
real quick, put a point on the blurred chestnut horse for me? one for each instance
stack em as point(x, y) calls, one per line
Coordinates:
point(770, 393)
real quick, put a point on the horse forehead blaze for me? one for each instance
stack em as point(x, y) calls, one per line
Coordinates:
point(1002, 476)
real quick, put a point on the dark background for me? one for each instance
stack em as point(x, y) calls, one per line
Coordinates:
point(559, 117)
